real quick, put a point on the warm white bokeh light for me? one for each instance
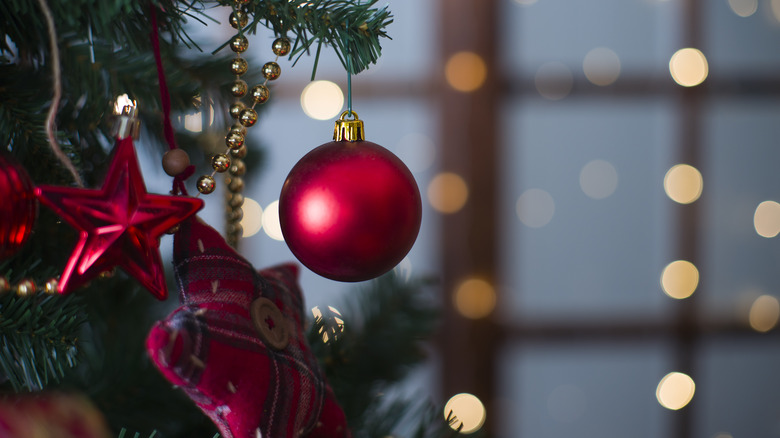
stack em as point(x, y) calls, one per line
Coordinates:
point(598, 179)
point(475, 298)
point(322, 100)
point(271, 224)
point(680, 279)
point(744, 8)
point(535, 208)
point(764, 313)
point(683, 183)
point(601, 66)
point(465, 71)
point(688, 67)
point(766, 219)
point(554, 80)
point(675, 391)
point(252, 221)
point(468, 410)
point(448, 192)
point(122, 101)
point(193, 122)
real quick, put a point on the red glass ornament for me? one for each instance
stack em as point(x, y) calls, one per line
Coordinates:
point(18, 206)
point(120, 224)
point(350, 210)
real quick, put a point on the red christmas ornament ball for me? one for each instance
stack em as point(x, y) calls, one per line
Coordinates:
point(18, 208)
point(350, 210)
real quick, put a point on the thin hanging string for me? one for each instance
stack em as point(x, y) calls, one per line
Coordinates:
point(165, 100)
point(349, 69)
point(55, 100)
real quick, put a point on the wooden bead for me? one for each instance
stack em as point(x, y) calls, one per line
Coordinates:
point(175, 161)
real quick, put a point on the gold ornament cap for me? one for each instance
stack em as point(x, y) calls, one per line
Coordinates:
point(127, 123)
point(349, 130)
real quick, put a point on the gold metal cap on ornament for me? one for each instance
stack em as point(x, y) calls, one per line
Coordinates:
point(126, 123)
point(349, 130)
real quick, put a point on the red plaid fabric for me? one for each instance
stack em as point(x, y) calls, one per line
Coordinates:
point(249, 381)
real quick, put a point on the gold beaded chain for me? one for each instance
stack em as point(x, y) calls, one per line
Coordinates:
point(28, 287)
point(245, 117)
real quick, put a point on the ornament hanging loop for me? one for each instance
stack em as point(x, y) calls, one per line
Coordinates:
point(349, 130)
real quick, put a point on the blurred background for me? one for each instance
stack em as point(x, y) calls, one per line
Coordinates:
point(600, 193)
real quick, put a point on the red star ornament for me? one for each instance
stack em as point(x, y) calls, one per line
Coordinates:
point(120, 224)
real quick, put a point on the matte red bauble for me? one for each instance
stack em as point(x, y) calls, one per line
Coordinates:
point(350, 210)
point(18, 206)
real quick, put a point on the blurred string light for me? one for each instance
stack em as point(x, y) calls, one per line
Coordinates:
point(252, 221)
point(535, 208)
point(601, 66)
point(766, 219)
point(322, 100)
point(270, 222)
point(675, 391)
point(680, 279)
point(688, 67)
point(744, 8)
point(554, 80)
point(683, 183)
point(465, 71)
point(448, 192)
point(332, 322)
point(466, 413)
point(475, 298)
point(764, 313)
point(598, 179)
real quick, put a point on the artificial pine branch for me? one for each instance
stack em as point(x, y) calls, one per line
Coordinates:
point(39, 336)
point(385, 326)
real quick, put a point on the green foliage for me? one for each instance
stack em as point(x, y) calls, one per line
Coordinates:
point(385, 328)
point(38, 338)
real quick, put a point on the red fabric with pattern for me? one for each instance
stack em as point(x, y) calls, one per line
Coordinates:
point(213, 350)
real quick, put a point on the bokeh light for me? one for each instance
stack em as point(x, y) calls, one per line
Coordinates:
point(467, 411)
point(601, 66)
point(252, 220)
point(675, 391)
point(598, 179)
point(683, 183)
point(680, 279)
point(121, 101)
point(554, 80)
point(193, 122)
point(766, 219)
point(535, 208)
point(322, 100)
point(271, 224)
point(448, 192)
point(764, 313)
point(688, 67)
point(332, 322)
point(465, 71)
point(475, 298)
point(744, 8)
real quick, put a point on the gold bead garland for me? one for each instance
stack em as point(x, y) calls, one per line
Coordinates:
point(231, 161)
point(27, 287)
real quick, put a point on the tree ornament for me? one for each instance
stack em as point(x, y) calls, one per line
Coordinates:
point(236, 345)
point(18, 206)
point(246, 116)
point(120, 224)
point(175, 162)
point(350, 210)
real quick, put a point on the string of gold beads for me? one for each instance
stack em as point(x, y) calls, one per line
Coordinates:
point(231, 161)
point(28, 287)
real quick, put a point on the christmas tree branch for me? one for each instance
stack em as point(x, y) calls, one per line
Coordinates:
point(39, 338)
point(351, 27)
